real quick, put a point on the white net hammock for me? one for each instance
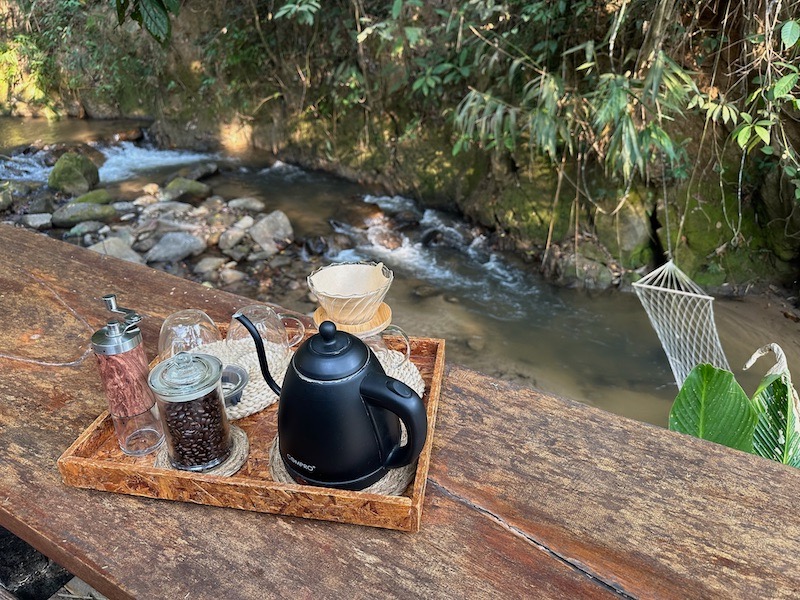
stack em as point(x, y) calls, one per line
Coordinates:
point(683, 317)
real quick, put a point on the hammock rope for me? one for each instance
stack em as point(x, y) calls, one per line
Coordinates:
point(683, 318)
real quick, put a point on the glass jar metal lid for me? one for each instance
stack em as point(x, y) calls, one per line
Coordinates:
point(185, 376)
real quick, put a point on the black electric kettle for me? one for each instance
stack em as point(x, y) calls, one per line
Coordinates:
point(339, 413)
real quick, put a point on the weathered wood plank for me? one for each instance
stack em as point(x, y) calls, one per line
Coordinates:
point(129, 547)
point(648, 511)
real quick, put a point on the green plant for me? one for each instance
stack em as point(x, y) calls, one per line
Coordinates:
point(711, 405)
point(152, 15)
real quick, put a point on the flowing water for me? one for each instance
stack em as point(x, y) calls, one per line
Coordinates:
point(498, 316)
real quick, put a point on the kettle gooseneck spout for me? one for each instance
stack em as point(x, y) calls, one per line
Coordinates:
point(262, 357)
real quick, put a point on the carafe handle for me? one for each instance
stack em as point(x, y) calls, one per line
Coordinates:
point(396, 397)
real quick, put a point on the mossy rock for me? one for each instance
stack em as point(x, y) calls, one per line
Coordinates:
point(101, 196)
point(626, 231)
point(778, 211)
point(74, 213)
point(523, 209)
point(73, 174)
point(720, 241)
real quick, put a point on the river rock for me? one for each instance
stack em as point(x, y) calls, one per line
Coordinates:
point(37, 220)
point(101, 196)
point(195, 173)
point(251, 204)
point(185, 190)
point(230, 237)
point(125, 210)
point(118, 248)
point(175, 246)
point(567, 269)
point(176, 208)
point(208, 264)
point(85, 227)
point(6, 198)
point(360, 215)
point(231, 276)
point(315, 246)
point(134, 134)
point(387, 238)
point(272, 231)
point(72, 214)
point(41, 204)
point(56, 151)
point(73, 174)
point(145, 200)
point(151, 189)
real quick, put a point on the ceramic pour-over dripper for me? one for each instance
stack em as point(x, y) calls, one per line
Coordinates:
point(351, 293)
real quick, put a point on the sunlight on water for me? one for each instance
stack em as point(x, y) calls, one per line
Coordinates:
point(123, 160)
point(126, 159)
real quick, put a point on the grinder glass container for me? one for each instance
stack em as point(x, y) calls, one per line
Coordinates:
point(188, 388)
point(123, 369)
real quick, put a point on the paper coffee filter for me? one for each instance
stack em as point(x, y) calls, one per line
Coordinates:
point(349, 279)
point(351, 293)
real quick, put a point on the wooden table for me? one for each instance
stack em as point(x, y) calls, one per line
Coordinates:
point(528, 496)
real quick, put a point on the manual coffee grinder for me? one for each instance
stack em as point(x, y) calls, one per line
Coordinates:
point(123, 369)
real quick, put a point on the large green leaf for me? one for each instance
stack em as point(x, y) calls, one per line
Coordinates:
point(712, 406)
point(777, 435)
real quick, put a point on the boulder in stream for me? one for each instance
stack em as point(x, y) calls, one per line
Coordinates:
point(175, 246)
point(272, 232)
point(73, 174)
point(186, 190)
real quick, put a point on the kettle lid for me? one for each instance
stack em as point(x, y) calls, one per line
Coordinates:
point(331, 354)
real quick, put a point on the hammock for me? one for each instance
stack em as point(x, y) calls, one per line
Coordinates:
point(683, 317)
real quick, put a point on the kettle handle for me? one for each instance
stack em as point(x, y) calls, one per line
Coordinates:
point(396, 397)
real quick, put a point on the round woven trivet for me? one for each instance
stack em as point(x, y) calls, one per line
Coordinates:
point(256, 395)
point(394, 483)
point(234, 462)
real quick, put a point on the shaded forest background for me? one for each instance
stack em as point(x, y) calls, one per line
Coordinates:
point(592, 137)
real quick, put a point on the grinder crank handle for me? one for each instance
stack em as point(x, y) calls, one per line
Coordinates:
point(396, 397)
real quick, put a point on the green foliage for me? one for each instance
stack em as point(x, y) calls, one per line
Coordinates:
point(302, 11)
point(712, 406)
point(152, 15)
point(572, 93)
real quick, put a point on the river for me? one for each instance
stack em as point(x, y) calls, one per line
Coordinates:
point(499, 316)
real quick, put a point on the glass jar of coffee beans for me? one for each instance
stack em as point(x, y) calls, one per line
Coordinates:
point(188, 389)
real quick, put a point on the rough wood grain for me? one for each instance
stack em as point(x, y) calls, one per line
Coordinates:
point(528, 496)
point(645, 510)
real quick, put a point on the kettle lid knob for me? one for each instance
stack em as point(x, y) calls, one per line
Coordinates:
point(327, 330)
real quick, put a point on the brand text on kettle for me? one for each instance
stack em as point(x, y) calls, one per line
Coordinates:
point(307, 467)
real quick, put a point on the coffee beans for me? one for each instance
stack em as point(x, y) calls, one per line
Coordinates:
point(198, 433)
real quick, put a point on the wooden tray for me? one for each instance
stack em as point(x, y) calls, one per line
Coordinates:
point(95, 461)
